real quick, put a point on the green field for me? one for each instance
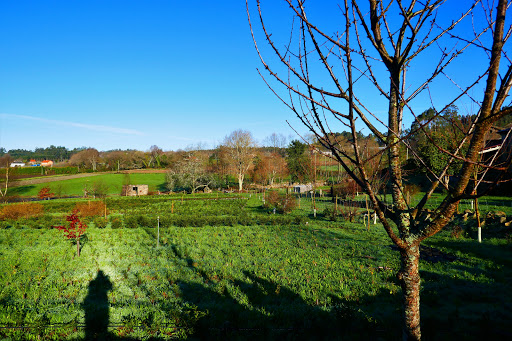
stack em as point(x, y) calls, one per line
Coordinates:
point(75, 187)
point(227, 269)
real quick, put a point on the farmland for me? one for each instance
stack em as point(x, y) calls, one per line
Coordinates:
point(224, 267)
point(75, 187)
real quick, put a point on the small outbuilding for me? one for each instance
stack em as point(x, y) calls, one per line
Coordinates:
point(302, 188)
point(134, 190)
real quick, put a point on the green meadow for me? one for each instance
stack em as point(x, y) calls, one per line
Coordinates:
point(75, 187)
point(226, 268)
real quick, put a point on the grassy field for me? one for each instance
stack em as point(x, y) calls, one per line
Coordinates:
point(113, 183)
point(234, 271)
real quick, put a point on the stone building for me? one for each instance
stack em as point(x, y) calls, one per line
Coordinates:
point(134, 190)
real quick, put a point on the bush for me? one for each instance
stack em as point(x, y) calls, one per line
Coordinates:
point(283, 203)
point(90, 208)
point(331, 214)
point(131, 222)
point(116, 222)
point(99, 222)
point(23, 210)
point(347, 188)
point(46, 222)
point(143, 220)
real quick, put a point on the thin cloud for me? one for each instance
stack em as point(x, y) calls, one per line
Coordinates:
point(94, 127)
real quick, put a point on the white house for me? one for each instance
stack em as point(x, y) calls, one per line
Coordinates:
point(17, 164)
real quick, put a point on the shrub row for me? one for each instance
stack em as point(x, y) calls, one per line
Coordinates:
point(199, 221)
point(134, 221)
point(45, 221)
point(49, 171)
point(21, 210)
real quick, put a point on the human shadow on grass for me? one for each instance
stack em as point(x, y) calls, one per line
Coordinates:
point(96, 308)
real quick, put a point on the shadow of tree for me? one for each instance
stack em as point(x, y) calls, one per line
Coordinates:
point(255, 308)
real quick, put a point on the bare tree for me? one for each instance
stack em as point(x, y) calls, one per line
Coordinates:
point(367, 59)
point(88, 157)
point(5, 161)
point(240, 145)
point(189, 174)
point(116, 159)
point(276, 141)
point(268, 167)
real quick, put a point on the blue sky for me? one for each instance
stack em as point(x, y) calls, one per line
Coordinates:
point(132, 74)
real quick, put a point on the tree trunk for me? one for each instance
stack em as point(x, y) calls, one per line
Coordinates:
point(410, 281)
point(4, 193)
point(240, 182)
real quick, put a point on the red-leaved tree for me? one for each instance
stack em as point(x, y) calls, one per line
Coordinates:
point(45, 193)
point(75, 230)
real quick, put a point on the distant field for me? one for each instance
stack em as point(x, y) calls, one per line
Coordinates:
point(75, 187)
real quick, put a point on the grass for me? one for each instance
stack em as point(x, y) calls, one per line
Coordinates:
point(75, 187)
point(243, 282)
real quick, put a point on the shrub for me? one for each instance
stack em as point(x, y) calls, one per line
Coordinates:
point(283, 203)
point(143, 220)
point(116, 222)
point(23, 210)
point(90, 208)
point(131, 222)
point(45, 193)
point(349, 212)
point(99, 222)
point(348, 188)
point(331, 214)
point(45, 221)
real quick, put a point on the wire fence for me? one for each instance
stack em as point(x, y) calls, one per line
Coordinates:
point(322, 201)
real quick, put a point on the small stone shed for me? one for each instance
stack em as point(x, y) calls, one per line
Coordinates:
point(302, 188)
point(134, 190)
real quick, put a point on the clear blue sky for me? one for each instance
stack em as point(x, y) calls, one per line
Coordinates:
point(131, 74)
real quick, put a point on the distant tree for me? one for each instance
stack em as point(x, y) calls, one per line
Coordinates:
point(116, 159)
point(218, 161)
point(434, 136)
point(45, 193)
point(298, 161)
point(276, 141)
point(89, 158)
point(137, 159)
point(190, 175)
point(240, 149)
point(268, 167)
point(99, 189)
point(5, 161)
point(156, 154)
